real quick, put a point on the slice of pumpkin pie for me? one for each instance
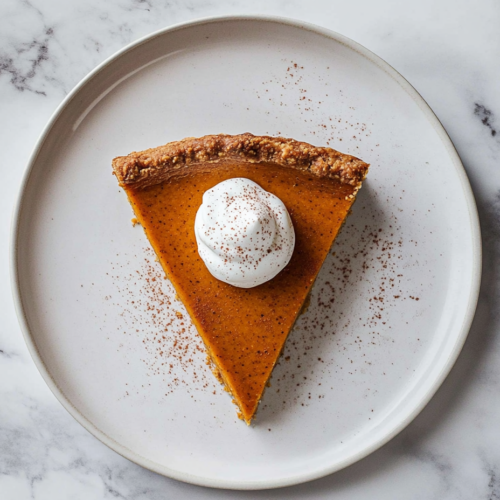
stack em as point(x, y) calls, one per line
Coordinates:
point(241, 225)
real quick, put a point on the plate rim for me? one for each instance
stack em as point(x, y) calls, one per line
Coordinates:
point(297, 478)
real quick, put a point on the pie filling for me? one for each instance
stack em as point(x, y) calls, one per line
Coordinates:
point(243, 329)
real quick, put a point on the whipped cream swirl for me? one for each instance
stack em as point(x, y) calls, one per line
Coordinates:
point(245, 235)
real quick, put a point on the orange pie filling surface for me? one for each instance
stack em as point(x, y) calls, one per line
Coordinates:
point(244, 330)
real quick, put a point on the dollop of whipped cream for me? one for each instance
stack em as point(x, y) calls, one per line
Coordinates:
point(245, 234)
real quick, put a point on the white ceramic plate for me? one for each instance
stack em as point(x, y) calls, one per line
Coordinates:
point(389, 312)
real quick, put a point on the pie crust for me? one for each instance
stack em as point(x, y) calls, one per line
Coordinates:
point(152, 166)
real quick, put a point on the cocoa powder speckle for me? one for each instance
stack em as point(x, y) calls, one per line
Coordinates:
point(172, 349)
point(331, 128)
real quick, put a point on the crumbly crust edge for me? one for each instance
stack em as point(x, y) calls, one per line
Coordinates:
point(153, 166)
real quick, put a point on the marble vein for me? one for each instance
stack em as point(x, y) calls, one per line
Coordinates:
point(486, 116)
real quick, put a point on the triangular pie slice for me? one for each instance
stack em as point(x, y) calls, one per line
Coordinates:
point(244, 330)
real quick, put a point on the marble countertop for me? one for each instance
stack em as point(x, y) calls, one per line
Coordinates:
point(450, 51)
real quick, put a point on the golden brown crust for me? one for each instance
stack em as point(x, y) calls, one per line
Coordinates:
point(152, 166)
